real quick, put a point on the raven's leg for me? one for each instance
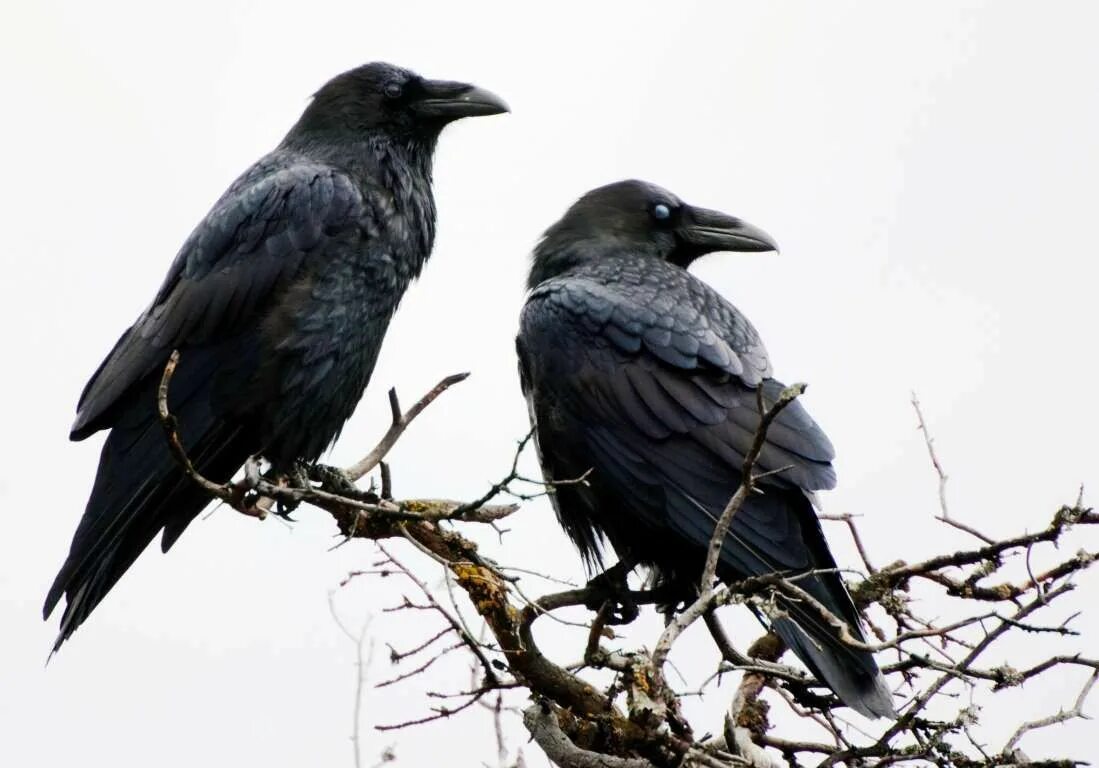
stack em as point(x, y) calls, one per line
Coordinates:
point(301, 475)
point(332, 479)
point(295, 478)
point(610, 587)
point(336, 480)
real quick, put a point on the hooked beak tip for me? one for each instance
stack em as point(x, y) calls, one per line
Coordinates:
point(469, 101)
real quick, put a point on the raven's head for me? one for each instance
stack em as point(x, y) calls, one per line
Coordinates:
point(380, 97)
point(642, 218)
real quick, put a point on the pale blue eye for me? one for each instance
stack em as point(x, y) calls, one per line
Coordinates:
point(661, 212)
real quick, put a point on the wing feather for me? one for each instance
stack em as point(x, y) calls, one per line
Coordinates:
point(254, 240)
point(674, 376)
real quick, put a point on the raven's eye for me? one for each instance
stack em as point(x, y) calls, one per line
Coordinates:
point(661, 212)
point(393, 90)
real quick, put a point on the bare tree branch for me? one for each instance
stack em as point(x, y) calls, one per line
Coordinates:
point(540, 720)
point(989, 593)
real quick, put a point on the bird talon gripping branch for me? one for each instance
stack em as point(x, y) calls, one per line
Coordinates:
point(609, 593)
point(332, 479)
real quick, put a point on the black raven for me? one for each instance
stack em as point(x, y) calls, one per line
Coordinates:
point(278, 302)
point(642, 374)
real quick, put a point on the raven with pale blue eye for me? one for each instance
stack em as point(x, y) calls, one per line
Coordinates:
point(642, 379)
point(647, 219)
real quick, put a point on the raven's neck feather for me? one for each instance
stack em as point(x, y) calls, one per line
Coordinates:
point(558, 253)
point(367, 153)
point(402, 166)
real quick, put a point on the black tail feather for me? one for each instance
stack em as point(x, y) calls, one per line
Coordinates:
point(139, 490)
point(782, 524)
point(851, 673)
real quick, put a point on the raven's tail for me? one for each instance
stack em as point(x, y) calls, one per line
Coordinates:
point(139, 490)
point(851, 673)
point(781, 525)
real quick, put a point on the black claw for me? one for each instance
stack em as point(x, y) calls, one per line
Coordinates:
point(610, 592)
point(624, 613)
point(284, 508)
point(331, 479)
point(809, 698)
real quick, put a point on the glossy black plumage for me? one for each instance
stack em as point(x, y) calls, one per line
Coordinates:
point(641, 373)
point(278, 302)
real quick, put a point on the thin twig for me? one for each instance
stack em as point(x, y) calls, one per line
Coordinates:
point(227, 492)
point(849, 521)
point(747, 482)
point(399, 423)
point(945, 516)
point(1063, 715)
point(456, 624)
point(361, 666)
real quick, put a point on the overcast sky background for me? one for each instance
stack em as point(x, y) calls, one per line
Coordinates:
point(929, 170)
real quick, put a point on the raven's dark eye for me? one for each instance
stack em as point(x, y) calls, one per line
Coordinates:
point(393, 90)
point(661, 212)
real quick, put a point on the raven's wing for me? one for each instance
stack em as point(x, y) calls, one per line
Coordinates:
point(662, 387)
point(665, 363)
point(253, 240)
point(229, 271)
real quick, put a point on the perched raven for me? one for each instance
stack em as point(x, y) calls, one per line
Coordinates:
point(640, 373)
point(278, 302)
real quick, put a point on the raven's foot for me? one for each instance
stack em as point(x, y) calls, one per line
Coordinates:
point(804, 695)
point(331, 479)
point(335, 480)
point(671, 597)
point(247, 498)
point(610, 588)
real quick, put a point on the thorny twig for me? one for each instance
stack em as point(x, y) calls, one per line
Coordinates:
point(231, 494)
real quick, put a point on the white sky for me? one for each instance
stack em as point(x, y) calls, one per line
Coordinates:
point(930, 171)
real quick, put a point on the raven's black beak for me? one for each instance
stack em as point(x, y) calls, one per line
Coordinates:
point(704, 231)
point(449, 101)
